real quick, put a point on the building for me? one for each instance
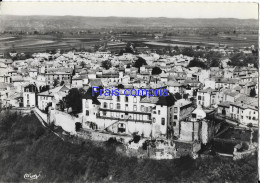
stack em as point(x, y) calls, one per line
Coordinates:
point(181, 109)
point(131, 114)
point(206, 97)
point(29, 95)
point(51, 97)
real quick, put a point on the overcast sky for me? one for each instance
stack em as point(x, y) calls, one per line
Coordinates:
point(134, 9)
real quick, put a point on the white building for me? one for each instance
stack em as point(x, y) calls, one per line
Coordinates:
point(29, 96)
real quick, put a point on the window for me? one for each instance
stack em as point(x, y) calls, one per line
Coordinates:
point(135, 99)
point(175, 117)
point(104, 113)
point(163, 121)
point(154, 120)
point(135, 108)
point(111, 105)
point(105, 105)
point(159, 112)
point(199, 97)
point(175, 110)
point(142, 108)
point(126, 99)
point(117, 106)
point(193, 115)
point(118, 98)
point(87, 112)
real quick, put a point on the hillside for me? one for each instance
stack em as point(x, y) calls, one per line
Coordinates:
point(27, 147)
point(9, 22)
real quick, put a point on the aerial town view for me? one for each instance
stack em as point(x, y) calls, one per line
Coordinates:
point(92, 97)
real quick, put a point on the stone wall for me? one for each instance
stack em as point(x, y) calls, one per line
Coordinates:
point(64, 120)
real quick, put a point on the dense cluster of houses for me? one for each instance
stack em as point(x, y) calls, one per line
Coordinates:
point(194, 93)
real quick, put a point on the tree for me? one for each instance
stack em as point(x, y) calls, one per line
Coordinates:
point(188, 51)
point(140, 62)
point(82, 64)
point(55, 82)
point(213, 58)
point(252, 92)
point(62, 83)
point(197, 63)
point(156, 71)
point(46, 110)
point(74, 100)
point(120, 86)
point(107, 64)
point(129, 48)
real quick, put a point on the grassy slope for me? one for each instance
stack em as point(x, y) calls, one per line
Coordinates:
point(27, 147)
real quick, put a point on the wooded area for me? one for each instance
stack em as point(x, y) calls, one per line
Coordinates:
point(27, 147)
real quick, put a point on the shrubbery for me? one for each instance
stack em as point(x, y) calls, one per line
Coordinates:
point(27, 147)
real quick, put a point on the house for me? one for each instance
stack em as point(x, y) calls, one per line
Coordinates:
point(223, 108)
point(206, 97)
point(33, 73)
point(225, 83)
point(51, 97)
point(61, 74)
point(181, 109)
point(131, 114)
point(244, 110)
point(79, 81)
point(175, 87)
point(29, 95)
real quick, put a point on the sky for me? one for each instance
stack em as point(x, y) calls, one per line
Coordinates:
point(133, 9)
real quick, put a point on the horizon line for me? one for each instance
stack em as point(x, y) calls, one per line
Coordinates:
point(128, 17)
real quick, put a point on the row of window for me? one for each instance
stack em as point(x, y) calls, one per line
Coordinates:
point(126, 99)
point(162, 121)
point(247, 117)
point(199, 97)
point(44, 98)
point(135, 116)
point(118, 106)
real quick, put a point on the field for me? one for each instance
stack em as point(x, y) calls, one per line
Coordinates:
point(40, 43)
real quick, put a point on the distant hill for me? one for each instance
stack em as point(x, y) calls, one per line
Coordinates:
point(10, 22)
